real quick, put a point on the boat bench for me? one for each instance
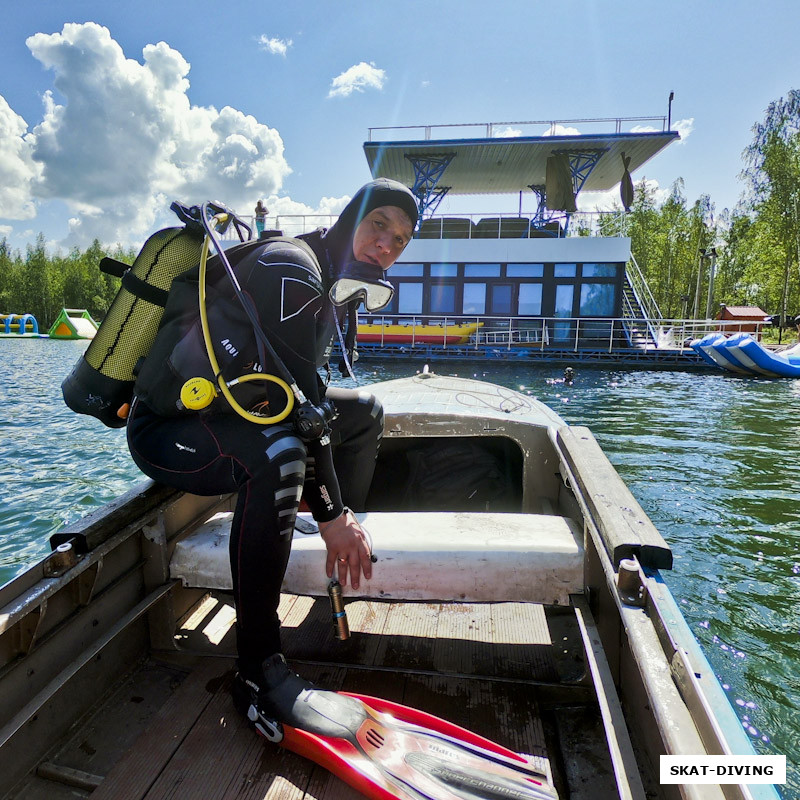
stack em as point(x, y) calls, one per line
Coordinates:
point(470, 557)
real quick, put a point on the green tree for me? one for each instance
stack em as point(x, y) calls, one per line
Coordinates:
point(666, 241)
point(772, 173)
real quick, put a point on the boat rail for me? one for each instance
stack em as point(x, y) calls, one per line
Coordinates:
point(564, 333)
point(553, 127)
point(491, 225)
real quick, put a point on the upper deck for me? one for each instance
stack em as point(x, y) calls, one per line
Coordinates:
point(511, 157)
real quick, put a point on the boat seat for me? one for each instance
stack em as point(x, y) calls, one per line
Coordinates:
point(444, 228)
point(456, 228)
point(514, 227)
point(487, 228)
point(471, 557)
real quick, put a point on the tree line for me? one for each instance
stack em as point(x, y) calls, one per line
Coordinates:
point(693, 259)
point(41, 284)
point(752, 251)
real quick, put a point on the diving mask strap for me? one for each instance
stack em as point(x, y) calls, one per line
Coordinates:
point(344, 362)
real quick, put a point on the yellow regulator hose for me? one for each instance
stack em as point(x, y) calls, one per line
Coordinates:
point(198, 393)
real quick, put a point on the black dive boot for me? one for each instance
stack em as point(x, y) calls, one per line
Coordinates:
point(285, 697)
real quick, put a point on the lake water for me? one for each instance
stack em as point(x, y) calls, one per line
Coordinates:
point(714, 460)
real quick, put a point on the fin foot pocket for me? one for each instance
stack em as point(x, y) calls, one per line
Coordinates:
point(282, 696)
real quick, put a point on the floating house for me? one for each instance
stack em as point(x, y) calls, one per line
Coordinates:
point(552, 284)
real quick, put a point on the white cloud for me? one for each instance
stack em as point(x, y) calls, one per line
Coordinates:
point(6, 230)
point(17, 168)
point(506, 133)
point(359, 77)
point(127, 141)
point(599, 201)
point(683, 126)
point(277, 47)
point(293, 217)
point(609, 200)
point(561, 130)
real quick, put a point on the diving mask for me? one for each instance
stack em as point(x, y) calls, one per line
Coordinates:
point(359, 280)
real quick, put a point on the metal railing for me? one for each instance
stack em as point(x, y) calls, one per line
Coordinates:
point(500, 225)
point(641, 290)
point(561, 333)
point(496, 130)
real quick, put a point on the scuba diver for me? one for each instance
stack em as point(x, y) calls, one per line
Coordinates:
point(301, 292)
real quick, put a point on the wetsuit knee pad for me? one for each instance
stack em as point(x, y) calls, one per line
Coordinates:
point(286, 465)
point(371, 412)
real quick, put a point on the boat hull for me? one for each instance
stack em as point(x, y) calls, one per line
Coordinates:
point(416, 334)
point(75, 624)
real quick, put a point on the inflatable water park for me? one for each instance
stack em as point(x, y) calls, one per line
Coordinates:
point(71, 323)
point(740, 353)
point(19, 326)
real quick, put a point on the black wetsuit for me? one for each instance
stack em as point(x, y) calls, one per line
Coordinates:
point(216, 451)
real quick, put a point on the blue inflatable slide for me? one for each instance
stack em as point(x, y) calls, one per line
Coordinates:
point(742, 354)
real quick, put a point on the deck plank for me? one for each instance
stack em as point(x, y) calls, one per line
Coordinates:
point(209, 759)
point(463, 635)
point(522, 642)
point(488, 639)
point(131, 778)
point(198, 746)
point(409, 636)
point(310, 635)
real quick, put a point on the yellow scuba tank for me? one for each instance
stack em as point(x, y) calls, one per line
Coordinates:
point(101, 382)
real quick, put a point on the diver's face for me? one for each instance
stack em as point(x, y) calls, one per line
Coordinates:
point(381, 236)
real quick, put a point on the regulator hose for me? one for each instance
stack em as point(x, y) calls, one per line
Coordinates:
point(311, 421)
point(224, 386)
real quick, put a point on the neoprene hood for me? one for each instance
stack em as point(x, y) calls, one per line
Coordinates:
point(377, 193)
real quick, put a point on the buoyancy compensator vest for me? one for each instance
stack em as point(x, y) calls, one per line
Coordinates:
point(189, 367)
point(101, 382)
point(179, 353)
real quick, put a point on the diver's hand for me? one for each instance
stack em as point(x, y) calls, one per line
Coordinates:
point(348, 549)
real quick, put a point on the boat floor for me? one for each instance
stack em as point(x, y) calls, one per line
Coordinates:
point(169, 729)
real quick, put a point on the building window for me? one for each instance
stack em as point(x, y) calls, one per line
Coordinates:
point(406, 271)
point(600, 270)
point(409, 298)
point(481, 270)
point(444, 270)
point(597, 300)
point(563, 308)
point(565, 270)
point(501, 299)
point(443, 298)
point(525, 270)
point(530, 299)
point(474, 298)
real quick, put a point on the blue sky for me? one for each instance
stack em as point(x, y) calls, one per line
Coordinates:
point(108, 111)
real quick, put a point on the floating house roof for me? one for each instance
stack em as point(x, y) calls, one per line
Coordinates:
point(510, 163)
